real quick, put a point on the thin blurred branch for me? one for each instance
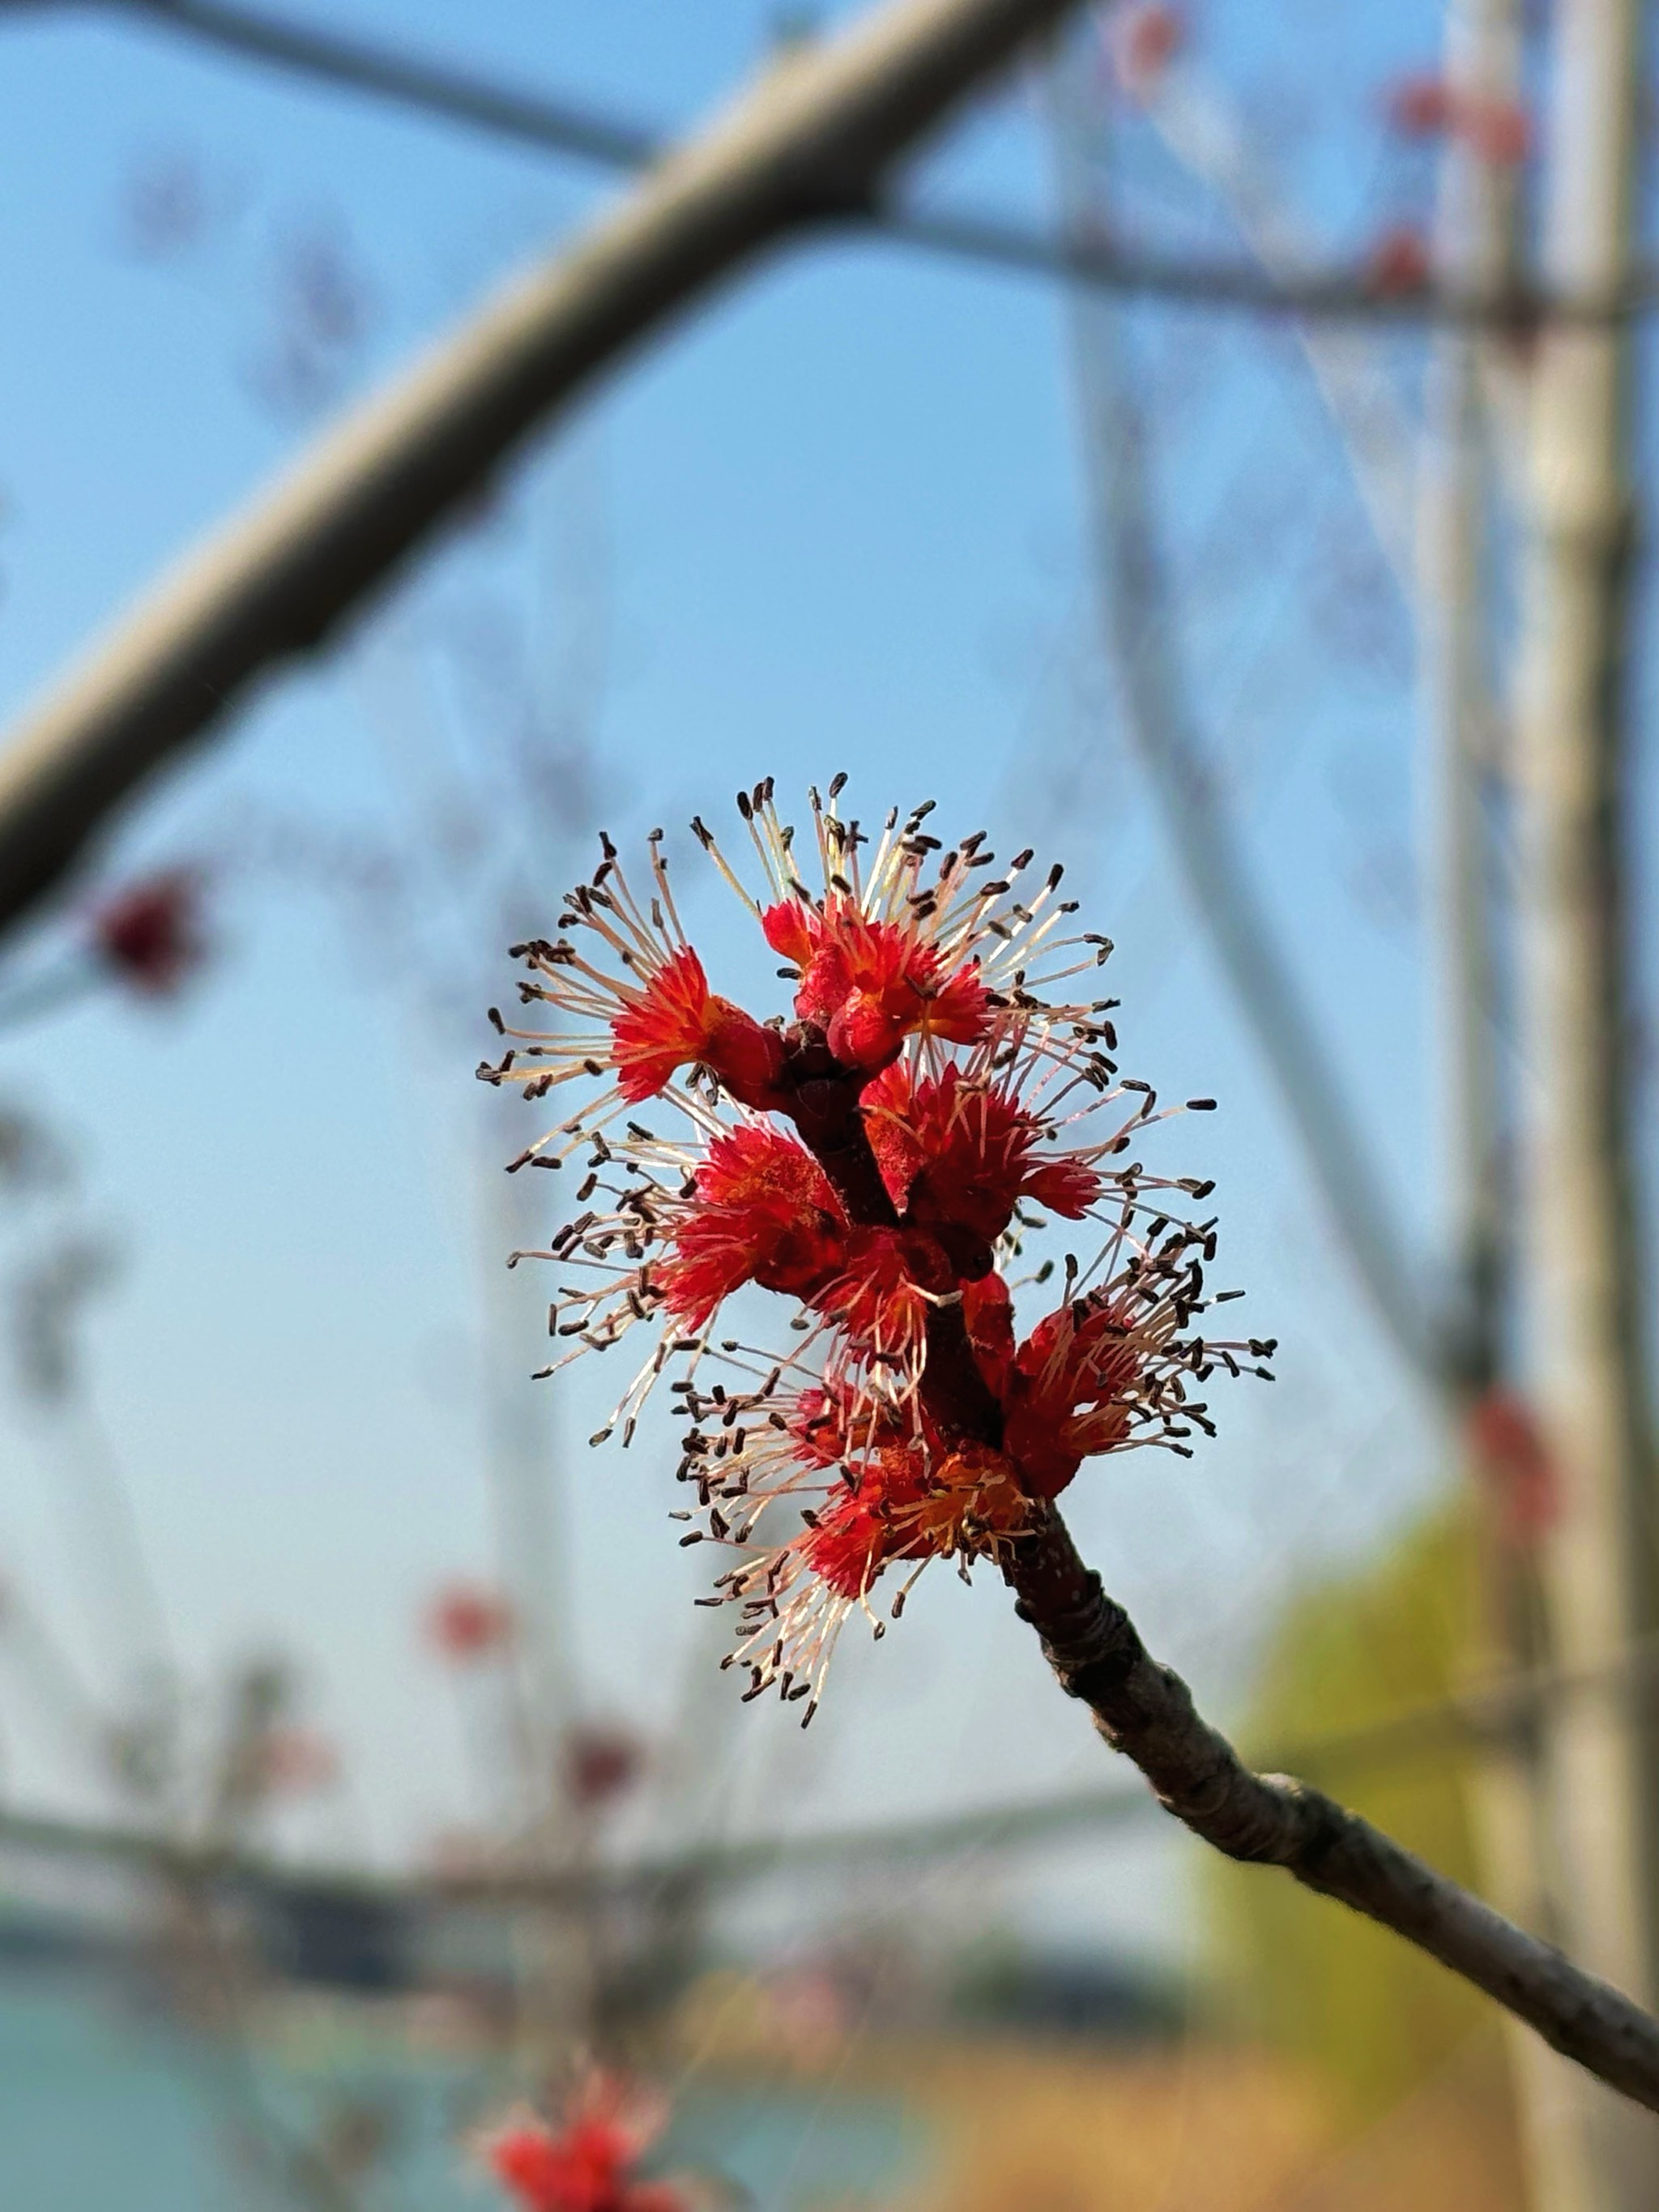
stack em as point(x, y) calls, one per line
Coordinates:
point(1448, 1727)
point(1146, 1711)
point(49, 1300)
point(1205, 131)
point(1160, 720)
point(406, 80)
point(562, 124)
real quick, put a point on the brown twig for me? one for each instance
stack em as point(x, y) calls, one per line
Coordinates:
point(1146, 1711)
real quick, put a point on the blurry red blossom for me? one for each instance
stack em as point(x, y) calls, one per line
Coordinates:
point(586, 2165)
point(1498, 129)
point(1419, 105)
point(297, 1761)
point(1144, 40)
point(600, 1763)
point(466, 1622)
point(151, 933)
point(1399, 262)
point(1516, 1462)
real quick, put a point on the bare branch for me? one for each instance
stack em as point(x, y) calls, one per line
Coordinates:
point(563, 124)
point(1096, 262)
point(1160, 721)
point(407, 79)
point(1146, 1711)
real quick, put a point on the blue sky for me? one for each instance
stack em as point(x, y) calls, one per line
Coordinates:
point(833, 523)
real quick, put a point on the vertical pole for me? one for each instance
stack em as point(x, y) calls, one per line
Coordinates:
point(1585, 1317)
point(1476, 250)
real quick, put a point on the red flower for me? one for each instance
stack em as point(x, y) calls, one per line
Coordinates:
point(958, 1154)
point(989, 1311)
point(854, 1536)
point(588, 2165)
point(601, 1764)
point(1499, 130)
point(294, 1761)
point(1517, 1462)
point(1420, 107)
point(762, 1211)
point(912, 1501)
point(1070, 1395)
point(880, 1297)
point(1145, 40)
point(676, 1021)
point(868, 984)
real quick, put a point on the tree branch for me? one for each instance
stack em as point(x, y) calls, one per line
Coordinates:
point(1161, 722)
point(559, 124)
point(1146, 1711)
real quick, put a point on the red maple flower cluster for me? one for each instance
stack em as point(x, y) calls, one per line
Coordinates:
point(587, 2166)
point(883, 1159)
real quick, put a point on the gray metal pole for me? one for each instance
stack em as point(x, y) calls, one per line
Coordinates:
point(812, 140)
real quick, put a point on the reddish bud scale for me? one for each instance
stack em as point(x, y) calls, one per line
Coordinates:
point(877, 1161)
point(1517, 1464)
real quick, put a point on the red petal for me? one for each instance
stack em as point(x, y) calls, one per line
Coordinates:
point(665, 1028)
point(789, 930)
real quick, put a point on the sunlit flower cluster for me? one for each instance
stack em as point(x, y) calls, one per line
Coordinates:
point(880, 1157)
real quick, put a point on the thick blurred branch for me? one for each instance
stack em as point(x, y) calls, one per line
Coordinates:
point(1589, 1308)
point(814, 140)
point(812, 144)
point(1146, 1711)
